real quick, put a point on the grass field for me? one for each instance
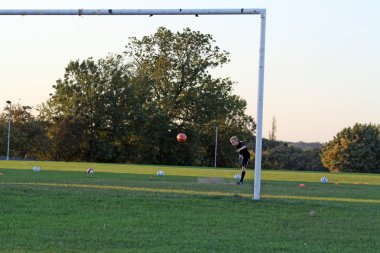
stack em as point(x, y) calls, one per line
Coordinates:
point(127, 208)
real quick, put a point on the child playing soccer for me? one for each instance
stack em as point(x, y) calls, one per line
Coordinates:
point(244, 156)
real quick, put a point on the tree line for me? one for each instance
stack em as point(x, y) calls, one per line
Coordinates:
point(129, 107)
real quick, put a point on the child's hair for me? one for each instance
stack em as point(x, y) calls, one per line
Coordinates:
point(234, 138)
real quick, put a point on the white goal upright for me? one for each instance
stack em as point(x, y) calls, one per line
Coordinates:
point(196, 12)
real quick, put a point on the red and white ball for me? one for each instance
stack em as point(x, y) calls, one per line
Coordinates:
point(181, 137)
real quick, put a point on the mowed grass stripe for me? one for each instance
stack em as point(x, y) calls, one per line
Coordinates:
point(267, 175)
point(202, 193)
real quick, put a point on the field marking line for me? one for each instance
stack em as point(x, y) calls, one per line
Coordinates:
point(201, 193)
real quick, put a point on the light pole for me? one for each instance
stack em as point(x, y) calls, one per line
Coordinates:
point(9, 126)
point(216, 145)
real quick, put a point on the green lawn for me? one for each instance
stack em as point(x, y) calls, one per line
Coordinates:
point(127, 208)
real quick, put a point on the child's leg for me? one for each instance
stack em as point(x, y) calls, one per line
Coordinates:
point(243, 169)
point(244, 166)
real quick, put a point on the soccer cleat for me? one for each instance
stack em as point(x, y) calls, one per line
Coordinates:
point(240, 183)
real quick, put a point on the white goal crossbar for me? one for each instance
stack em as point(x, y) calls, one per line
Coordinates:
point(196, 12)
point(131, 11)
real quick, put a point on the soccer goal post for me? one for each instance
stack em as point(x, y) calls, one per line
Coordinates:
point(195, 12)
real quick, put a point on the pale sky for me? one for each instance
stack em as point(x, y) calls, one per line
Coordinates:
point(322, 70)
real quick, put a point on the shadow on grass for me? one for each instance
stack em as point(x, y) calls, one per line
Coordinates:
point(185, 185)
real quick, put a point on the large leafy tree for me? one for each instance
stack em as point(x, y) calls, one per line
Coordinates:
point(175, 69)
point(91, 110)
point(354, 149)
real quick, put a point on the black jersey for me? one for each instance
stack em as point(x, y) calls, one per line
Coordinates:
point(244, 152)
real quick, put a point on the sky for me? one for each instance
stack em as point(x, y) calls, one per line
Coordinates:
point(322, 63)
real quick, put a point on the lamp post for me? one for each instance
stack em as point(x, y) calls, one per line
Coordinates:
point(9, 126)
point(216, 145)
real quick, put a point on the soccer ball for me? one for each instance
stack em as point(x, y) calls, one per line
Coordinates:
point(324, 180)
point(36, 168)
point(160, 173)
point(237, 176)
point(181, 137)
point(90, 170)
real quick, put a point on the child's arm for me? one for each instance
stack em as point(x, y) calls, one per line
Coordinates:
point(238, 150)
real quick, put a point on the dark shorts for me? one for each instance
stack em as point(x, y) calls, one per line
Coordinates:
point(244, 161)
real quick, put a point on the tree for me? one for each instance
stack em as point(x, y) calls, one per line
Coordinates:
point(354, 149)
point(28, 138)
point(91, 110)
point(272, 133)
point(280, 155)
point(175, 68)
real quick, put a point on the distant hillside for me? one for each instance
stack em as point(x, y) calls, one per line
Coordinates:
point(301, 145)
point(305, 145)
